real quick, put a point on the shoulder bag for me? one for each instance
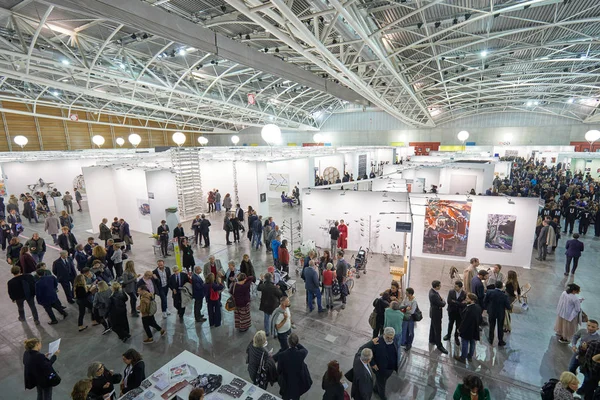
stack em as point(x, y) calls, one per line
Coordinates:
point(418, 315)
point(230, 303)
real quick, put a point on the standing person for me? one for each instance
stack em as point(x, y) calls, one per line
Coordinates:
point(125, 234)
point(115, 228)
point(148, 320)
point(65, 220)
point(162, 276)
point(176, 282)
point(257, 232)
point(178, 234)
point(311, 284)
point(259, 360)
point(198, 293)
point(269, 300)
point(64, 270)
point(332, 382)
point(211, 201)
point(21, 289)
point(408, 325)
point(334, 235)
point(105, 233)
point(102, 380)
point(574, 249)
point(217, 200)
point(231, 275)
point(66, 240)
point(37, 247)
point(204, 230)
point(494, 276)
point(117, 260)
point(328, 277)
point(568, 312)
point(5, 233)
point(456, 303)
point(565, 387)
point(118, 312)
point(542, 241)
point(363, 375)
point(267, 230)
point(380, 304)
point(89, 247)
point(212, 289)
point(294, 377)
point(284, 257)
point(78, 198)
point(213, 266)
point(68, 202)
point(81, 390)
point(82, 296)
point(227, 202)
point(275, 243)
point(241, 296)
point(385, 360)
point(281, 322)
point(342, 242)
point(130, 278)
point(188, 255)
point(477, 286)
point(45, 291)
point(469, 328)
point(436, 305)
point(585, 217)
point(196, 230)
point(237, 226)
point(341, 272)
point(469, 273)
point(496, 303)
point(513, 291)
point(471, 388)
point(13, 252)
point(101, 306)
point(29, 210)
point(135, 371)
point(26, 261)
point(239, 214)
point(227, 227)
point(163, 237)
point(571, 214)
point(580, 342)
point(394, 318)
point(38, 369)
point(246, 266)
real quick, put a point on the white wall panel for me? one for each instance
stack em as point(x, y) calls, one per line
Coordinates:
point(162, 185)
point(102, 198)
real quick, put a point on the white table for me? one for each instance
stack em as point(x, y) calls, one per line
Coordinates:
point(202, 366)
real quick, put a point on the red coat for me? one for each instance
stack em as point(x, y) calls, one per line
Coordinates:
point(342, 242)
point(284, 256)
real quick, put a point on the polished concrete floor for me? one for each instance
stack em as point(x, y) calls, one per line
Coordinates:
point(516, 371)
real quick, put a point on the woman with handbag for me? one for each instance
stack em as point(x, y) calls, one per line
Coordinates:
point(261, 366)
point(39, 372)
point(212, 291)
point(134, 372)
point(103, 380)
point(332, 383)
point(241, 297)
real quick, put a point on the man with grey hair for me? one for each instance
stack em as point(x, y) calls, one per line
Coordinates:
point(385, 359)
point(64, 270)
point(363, 375)
point(213, 266)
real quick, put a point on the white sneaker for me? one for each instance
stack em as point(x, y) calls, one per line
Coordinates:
point(164, 315)
point(168, 312)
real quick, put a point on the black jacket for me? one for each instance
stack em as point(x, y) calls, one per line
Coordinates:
point(333, 391)
point(64, 273)
point(21, 287)
point(183, 279)
point(362, 382)
point(178, 232)
point(135, 378)
point(496, 302)
point(157, 282)
point(436, 304)
point(455, 305)
point(163, 232)
point(204, 226)
point(294, 377)
point(478, 289)
point(269, 300)
point(63, 242)
point(37, 369)
point(98, 383)
point(471, 319)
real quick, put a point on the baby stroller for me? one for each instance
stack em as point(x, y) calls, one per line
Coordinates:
point(360, 262)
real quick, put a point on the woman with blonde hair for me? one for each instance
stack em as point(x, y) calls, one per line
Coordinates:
point(130, 278)
point(566, 386)
point(257, 357)
point(82, 294)
point(38, 369)
point(101, 306)
point(118, 312)
point(513, 291)
point(117, 260)
point(81, 390)
point(148, 320)
point(66, 220)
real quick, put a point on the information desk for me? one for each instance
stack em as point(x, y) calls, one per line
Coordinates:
point(174, 381)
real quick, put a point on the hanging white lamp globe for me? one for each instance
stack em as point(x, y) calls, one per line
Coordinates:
point(462, 135)
point(135, 139)
point(98, 140)
point(318, 138)
point(203, 141)
point(235, 139)
point(590, 136)
point(271, 133)
point(179, 138)
point(21, 140)
point(120, 141)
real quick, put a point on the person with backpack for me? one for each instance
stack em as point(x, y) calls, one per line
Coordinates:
point(148, 308)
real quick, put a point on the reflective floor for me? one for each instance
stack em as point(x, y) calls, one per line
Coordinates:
point(516, 371)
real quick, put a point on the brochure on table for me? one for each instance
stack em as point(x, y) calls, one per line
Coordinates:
point(175, 381)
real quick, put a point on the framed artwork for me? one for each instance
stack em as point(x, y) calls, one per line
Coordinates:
point(500, 232)
point(446, 227)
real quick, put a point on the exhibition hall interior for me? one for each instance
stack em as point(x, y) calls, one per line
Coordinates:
point(299, 199)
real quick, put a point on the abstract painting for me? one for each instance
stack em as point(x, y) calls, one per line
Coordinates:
point(500, 232)
point(278, 182)
point(446, 227)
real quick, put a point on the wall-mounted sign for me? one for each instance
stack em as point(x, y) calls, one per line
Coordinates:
point(74, 117)
point(263, 197)
point(150, 195)
point(403, 227)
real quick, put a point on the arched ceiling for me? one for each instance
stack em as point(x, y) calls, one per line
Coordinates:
point(192, 63)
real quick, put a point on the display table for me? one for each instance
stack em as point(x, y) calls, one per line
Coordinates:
point(183, 369)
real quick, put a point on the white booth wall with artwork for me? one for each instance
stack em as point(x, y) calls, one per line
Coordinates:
point(288, 173)
point(162, 194)
point(333, 161)
point(356, 208)
point(462, 177)
point(450, 209)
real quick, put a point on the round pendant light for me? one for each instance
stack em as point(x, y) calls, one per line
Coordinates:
point(179, 138)
point(98, 140)
point(235, 139)
point(21, 140)
point(135, 139)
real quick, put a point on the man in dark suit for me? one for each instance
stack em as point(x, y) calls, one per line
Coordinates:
point(66, 240)
point(362, 381)
point(469, 328)
point(196, 229)
point(456, 303)
point(125, 234)
point(496, 303)
point(239, 213)
point(385, 359)
point(163, 237)
point(436, 306)
point(176, 282)
point(294, 377)
point(161, 276)
point(204, 229)
point(574, 250)
point(64, 270)
point(21, 290)
point(198, 293)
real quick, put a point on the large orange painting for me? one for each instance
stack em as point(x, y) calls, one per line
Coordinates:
point(446, 227)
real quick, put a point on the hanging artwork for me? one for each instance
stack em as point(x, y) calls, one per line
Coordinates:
point(446, 227)
point(500, 232)
point(278, 182)
point(143, 207)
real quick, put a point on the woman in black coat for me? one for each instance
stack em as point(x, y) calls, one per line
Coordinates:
point(332, 385)
point(102, 379)
point(134, 372)
point(38, 369)
point(118, 312)
point(256, 353)
point(380, 304)
point(188, 255)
